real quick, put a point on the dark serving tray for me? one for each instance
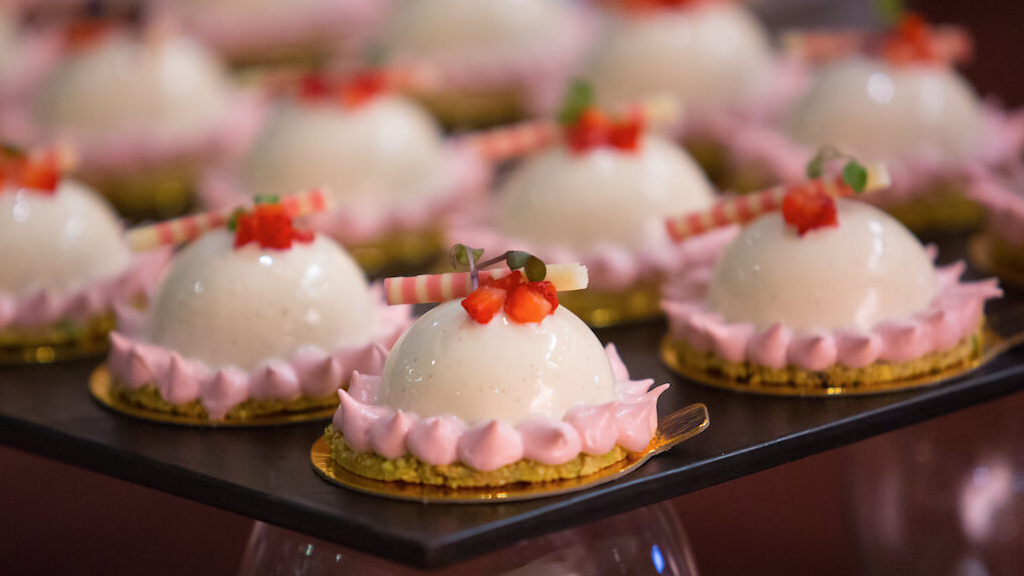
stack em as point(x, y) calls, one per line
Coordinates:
point(266, 473)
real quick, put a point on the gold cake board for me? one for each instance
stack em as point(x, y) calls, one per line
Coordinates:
point(673, 429)
point(100, 387)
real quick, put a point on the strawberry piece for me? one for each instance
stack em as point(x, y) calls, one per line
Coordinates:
point(910, 42)
point(531, 302)
point(808, 209)
point(484, 302)
point(625, 134)
point(363, 88)
point(38, 173)
point(82, 34)
point(590, 131)
point(313, 87)
point(269, 226)
point(507, 283)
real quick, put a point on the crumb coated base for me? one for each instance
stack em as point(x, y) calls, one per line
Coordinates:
point(600, 308)
point(474, 110)
point(399, 254)
point(880, 376)
point(412, 470)
point(149, 398)
point(153, 194)
point(726, 172)
point(57, 341)
point(943, 210)
point(1007, 259)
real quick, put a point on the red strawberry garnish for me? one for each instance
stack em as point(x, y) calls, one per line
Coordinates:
point(523, 301)
point(531, 302)
point(313, 87)
point(807, 209)
point(363, 88)
point(484, 302)
point(910, 42)
point(270, 226)
point(38, 172)
point(594, 129)
point(82, 34)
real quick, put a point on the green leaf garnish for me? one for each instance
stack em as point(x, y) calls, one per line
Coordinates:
point(266, 199)
point(232, 224)
point(816, 166)
point(888, 11)
point(516, 259)
point(12, 150)
point(535, 269)
point(578, 98)
point(459, 256)
point(855, 175)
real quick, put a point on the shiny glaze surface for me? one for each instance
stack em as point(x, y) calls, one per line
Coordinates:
point(240, 307)
point(868, 269)
point(58, 242)
point(447, 363)
point(562, 198)
point(878, 111)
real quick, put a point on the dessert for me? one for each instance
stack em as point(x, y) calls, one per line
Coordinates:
point(900, 100)
point(25, 55)
point(488, 61)
point(65, 265)
point(499, 387)
point(146, 108)
point(824, 296)
point(270, 31)
point(999, 249)
point(384, 162)
point(252, 322)
point(599, 196)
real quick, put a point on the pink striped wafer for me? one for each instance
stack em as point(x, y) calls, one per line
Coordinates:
point(750, 206)
point(186, 228)
point(512, 141)
point(428, 288)
point(951, 44)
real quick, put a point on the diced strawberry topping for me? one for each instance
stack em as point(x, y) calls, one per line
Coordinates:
point(807, 209)
point(594, 129)
point(313, 87)
point(531, 302)
point(523, 301)
point(269, 226)
point(81, 34)
point(911, 42)
point(38, 172)
point(363, 88)
point(484, 302)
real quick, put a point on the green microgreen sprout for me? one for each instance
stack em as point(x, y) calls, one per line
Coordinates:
point(888, 11)
point(578, 98)
point(465, 257)
point(855, 175)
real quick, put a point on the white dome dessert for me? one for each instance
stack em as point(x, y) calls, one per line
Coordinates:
point(58, 242)
point(164, 87)
point(868, 269)
point(710, 56)
point(443, 28)
point(240, 307)
point(573, 200)
point(448, 363)
point(378, 155)
point(875, 110)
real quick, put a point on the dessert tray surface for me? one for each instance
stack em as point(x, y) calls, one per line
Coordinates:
point(265, 473)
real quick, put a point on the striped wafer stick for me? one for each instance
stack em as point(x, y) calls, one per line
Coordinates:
point(179, 230)
point(428, 288)
point(518, 139)
point(749, 206)
point(951, 44)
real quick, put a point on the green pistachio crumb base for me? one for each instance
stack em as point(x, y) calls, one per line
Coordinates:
point(410, 469)
point(877, 374)
point(60, 333)
point(149, 398)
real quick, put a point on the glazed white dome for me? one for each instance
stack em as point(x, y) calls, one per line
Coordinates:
point(240, 307)
point(868, 269)
point(442, 28)
point(167, 88)
point(380, 155)
point(448, 363)
point(878, 111)
point(59, 242)
point(708, 56)
point(562, 198)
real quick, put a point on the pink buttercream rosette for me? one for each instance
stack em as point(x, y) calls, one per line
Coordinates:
point(630, 422)
point(541, 70)
point(311, 373)
point(339, 26)
point(462, 181)
point(953, 314)
point(122, 291)
point(610, 266)
point(768, 146)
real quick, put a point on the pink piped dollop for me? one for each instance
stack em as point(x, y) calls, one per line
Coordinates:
point(953, 314)
point(122, 291)
point(630, 422)
point(311, 372)
point(610, 266)
point(463, 181)
point(337, 26)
